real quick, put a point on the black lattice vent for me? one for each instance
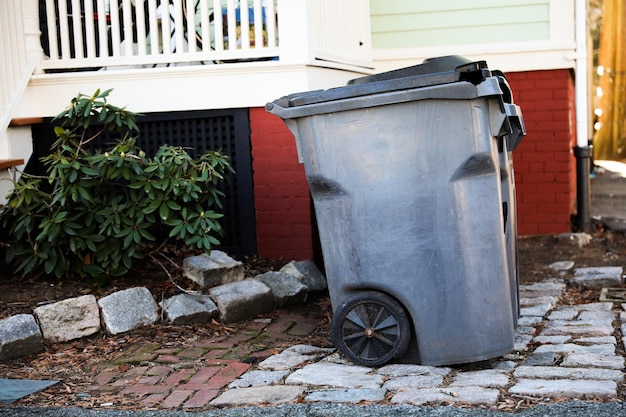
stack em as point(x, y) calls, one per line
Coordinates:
point(199, 131)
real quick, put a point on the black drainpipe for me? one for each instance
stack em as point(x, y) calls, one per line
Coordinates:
point(583, 189)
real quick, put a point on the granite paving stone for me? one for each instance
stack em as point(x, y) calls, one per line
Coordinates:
point(335, 375)
point(598, 277)
point(395, 370)
point(543, 359)
point(565, 388)
point(528, 320)
point(487, 378)
point(563, 315)
point(593, 359)
point(257, 378)
point(531, 301)
point(549, 372)
point(542, 289)
point(413, 381)
point(267, 396)
point(466, 395)
point(596, 340)
point(575, 327)
point(352, 395)
point(604, 349)
point(539, 310)
point(294, 356)
point(551, 340)
point(599, 306)
point(521, 341)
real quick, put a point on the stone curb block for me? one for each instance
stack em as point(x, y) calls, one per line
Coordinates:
point(69, 319)
point(212, 270)
point(19, 336)
point(189, 308)
point(124, 310)
point(241, 300)
point(286, 289)
point(307, 273)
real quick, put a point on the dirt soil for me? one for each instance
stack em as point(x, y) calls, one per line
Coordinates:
point(80, 360)
point(537, 253)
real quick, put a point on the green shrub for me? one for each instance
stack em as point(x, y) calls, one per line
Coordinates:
point(96, 212)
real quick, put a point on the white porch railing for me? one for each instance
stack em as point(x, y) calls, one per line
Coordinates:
point(97, 33)
point(110, 33)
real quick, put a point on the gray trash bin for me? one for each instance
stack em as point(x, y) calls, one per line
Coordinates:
point(412, 181)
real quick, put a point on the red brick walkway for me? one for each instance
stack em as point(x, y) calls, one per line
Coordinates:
point(190, 376)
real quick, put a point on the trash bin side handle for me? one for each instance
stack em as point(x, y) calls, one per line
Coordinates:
point(276, 108)
point(514, 112)
point(489, 87)
point(293, 126)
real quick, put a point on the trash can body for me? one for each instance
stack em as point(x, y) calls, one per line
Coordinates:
point(408, 191)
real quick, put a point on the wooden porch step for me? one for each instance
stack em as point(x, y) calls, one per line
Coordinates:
point(9, 163)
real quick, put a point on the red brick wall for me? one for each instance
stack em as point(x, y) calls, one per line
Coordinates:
point(545, 168)
point(281, 193)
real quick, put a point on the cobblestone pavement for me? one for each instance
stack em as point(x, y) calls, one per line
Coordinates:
point(565, 352)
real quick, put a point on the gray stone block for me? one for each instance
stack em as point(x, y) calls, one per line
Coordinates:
point(307, 273)
point(607, 276)
point(285, 288)
point(543, 359)
point(528, 320)
point(398, 369)
point(187, 308)
point(533, 300)
point(551, 340)
point(568, 348)
point(293, 357)
point(563, 315)
point(538, 310)
point(259, 378)
point(242, 300)
point(335, 375)
point(19, 336)
point(212, 270)
point(521, 341)
point(351, 396)
point(596, 360)
point(542, 289)
point(413, 381)
point(69, 319)
point(565, 388)
point(557, 372)
point(452, 395)
point(125, 310)
point(562, 266)
point(575, 239)
point(577, 327)
point(488, 378)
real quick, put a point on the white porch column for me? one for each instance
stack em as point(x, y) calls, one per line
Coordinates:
point(295, 32)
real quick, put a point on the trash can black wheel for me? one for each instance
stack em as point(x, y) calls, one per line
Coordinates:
point(370, 329)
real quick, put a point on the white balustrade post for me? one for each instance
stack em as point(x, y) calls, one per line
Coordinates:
point(32, 33)
point(296, 38)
